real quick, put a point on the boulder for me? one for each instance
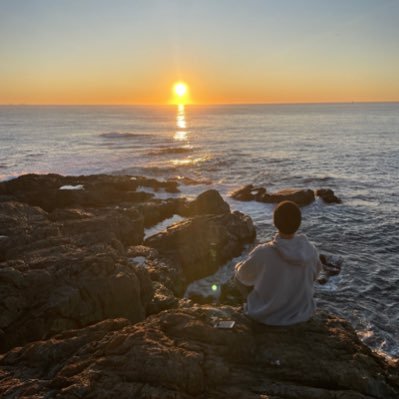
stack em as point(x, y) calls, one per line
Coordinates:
point(200, 245)
point(301, 197)
point(180, 354)
point(328, 196)
point(331, 266)
point(209, 202)
point(249, 193)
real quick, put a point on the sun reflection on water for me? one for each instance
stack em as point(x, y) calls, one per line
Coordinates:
point(188, 161)
point(181, 133)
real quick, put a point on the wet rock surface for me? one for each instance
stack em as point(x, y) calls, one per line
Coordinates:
point(301, 197)
point(180, 354)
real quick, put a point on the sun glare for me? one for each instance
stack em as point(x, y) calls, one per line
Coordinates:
point(180, 93)
point(180, 89)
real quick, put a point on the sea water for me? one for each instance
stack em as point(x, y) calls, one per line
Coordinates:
point(351, 148)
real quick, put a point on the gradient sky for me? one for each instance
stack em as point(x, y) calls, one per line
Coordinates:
point(228, 51)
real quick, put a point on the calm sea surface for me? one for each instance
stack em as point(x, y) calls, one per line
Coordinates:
point(351, 148)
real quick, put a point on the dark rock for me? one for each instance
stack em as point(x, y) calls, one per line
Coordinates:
point(47, 191)
point(126, 225)
point(198, 297)
point(162, 299)
point(201, 244)
point(230, 293)
point(67, 271)
point(69, 268)
point(301, 197)
point(69, 214)
point(331, 266)
point(250, 193)
point(328, 196)
point(180, 354)
point(209, 202)
point(168, 282)
point(155, 211)
point(244, 194)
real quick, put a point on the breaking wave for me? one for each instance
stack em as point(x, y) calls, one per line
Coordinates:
point(171, 151)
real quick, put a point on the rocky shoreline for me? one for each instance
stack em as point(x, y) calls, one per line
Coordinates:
point(88, 308)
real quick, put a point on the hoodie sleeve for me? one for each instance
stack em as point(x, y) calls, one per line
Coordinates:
point(318, 266)
point(247, 271)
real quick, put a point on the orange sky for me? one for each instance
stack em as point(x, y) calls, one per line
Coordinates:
point(71, 52)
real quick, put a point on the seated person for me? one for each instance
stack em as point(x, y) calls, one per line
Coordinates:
point(281, 273)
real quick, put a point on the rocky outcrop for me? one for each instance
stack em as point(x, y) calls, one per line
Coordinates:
point(180, 354)
point(67, 267)
point(55, 191)
point(209, 202)
point(250, 193)
point(301, 197)
point(328, 196)
point(77, 287)
point(200, 245)
point(66, 271)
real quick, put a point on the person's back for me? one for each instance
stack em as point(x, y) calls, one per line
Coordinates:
point(281, 273)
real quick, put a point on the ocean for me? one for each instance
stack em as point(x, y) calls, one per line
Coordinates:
point(351, 148)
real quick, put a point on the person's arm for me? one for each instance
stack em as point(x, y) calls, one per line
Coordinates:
point(318, 267)
point(247, 271)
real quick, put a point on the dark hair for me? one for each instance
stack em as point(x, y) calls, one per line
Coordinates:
point(287, 217)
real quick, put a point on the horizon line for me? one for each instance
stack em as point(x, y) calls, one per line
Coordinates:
point(191, 104)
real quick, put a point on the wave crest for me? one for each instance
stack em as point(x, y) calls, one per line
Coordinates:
point(119, 135)
point(171, 150)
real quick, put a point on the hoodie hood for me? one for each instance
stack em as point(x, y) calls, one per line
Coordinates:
point(297, 250)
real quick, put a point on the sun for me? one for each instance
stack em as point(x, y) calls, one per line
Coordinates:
point(180, 89)
point(181, 93)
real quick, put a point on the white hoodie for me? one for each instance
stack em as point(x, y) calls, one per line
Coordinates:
point(282, 273)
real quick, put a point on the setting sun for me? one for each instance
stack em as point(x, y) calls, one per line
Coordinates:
point(180, 93)
point(180, 89)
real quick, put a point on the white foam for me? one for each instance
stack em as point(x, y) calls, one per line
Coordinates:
point(71, 187)
point(162, 225)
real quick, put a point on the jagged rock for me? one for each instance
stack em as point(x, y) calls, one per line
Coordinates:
point(209, 202)
point(162, 299)
point(301, 197)
point(203, 243)
point(54, 191)
point(180, 354)
point(250, 193)
point(64, 272)
point(155, 211)
point(331, 266)
point(327, 195)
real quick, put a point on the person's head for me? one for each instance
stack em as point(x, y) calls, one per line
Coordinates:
point(287, 217)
